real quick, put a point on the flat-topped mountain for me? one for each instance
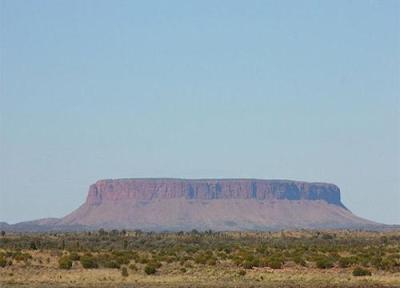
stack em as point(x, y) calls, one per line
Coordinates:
point(210, 189)
point(217, 204)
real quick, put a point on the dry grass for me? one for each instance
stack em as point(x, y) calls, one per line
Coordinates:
point(47, 274)
point(43, 269)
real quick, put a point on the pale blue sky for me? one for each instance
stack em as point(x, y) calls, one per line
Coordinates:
point(304, 90)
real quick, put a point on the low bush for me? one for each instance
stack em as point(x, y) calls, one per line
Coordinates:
point(242, 272)
point(133, 267)
point(111, 264)
point(64, 263)
point(200, 259)
point(74, 256)
point(361, 272)
point(247, 264)
point(212, 262)
point(389, 264)
point(155, 264)
point(142, 260)
point(345, 262)
point(299, 261)
point(88, 262)
point(124, 272)
point(3, 262)
point(19, 256)
point(150, 269)
point(324, 263)
point(275, 263)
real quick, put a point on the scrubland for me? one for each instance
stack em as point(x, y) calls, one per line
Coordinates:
point(201, 259)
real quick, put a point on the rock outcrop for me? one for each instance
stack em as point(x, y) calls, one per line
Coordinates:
point(209, 189)
point(217, 204)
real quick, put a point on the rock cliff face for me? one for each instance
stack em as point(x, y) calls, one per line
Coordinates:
point(217, 204)
point(209, 189)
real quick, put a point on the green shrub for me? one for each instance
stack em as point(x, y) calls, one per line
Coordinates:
point(18, 256)
point(365, 260)
point(124, 272)
point(111, 264)
point(388, 264)
point(183, 270)
point(122, 260)
point(149, 269)
point(200, 259)
point(361, 272)
point(64, 263)
point(345, 262)
point(248, 264)
point(377, 262)
point(324, 263)
point(32, 246)
point(212, 262)
point(88, 262)
point(169, 259)
point(143, 260)
point(3, 262)
point(74, 256)
point(133, 267)
point(242, 272)
point(155, 264)
point(188, 265)
point(275, 263)
point(299, 261)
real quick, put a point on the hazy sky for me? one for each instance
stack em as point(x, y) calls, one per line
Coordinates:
point(304, 90)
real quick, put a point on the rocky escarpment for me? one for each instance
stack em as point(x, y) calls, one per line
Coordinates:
point(202, 204)
point(217, 204)
point(210, 189)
